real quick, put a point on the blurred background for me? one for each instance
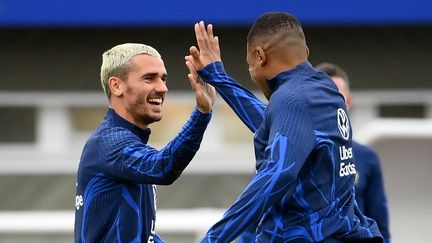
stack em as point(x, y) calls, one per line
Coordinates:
point(50, 101)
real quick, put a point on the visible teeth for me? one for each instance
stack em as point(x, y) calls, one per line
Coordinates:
point(155, 100)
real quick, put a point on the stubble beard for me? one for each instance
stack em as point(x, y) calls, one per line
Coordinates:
point(140, 115)
point(137, 109)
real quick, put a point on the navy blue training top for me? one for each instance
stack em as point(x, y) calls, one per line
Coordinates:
point(369, 192)
point(303, 188)
point(116, 193)
point(369, 188)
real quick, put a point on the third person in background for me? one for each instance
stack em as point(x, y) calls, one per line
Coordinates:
point(369, 186)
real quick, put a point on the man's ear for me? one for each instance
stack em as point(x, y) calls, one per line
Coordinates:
point(116, 86)
point(348, 101)
point(261, 55)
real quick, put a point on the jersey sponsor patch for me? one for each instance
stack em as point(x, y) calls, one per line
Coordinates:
point(343, 123)
point(347, 169)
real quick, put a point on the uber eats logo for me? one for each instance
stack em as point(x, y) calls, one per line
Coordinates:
point(346, 168)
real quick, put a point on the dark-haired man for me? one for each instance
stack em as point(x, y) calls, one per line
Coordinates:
point(369, 186)
point(303, 188)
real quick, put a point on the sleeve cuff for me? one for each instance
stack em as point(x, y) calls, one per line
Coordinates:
point(210, 71)
point(197, 115)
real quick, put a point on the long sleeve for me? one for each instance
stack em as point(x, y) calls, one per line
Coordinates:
point(375, 199)
point(128, 158)
point(291, 140)
point(245, 104)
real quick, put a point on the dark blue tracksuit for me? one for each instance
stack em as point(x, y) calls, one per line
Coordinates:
point(369, 188)
point(303, 188)
point(118, 171)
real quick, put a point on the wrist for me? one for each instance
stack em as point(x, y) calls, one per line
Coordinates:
point(203, 110)
point(214, 68)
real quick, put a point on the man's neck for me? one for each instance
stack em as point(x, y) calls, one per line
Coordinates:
point(121, 111)
point(283, 66)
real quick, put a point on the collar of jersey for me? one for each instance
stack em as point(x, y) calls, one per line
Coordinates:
point(282, 77)
point(143, 134)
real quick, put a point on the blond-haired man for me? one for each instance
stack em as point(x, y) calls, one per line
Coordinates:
point(118, 171)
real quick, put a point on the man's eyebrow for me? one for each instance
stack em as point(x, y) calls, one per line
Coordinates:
point(153, 74)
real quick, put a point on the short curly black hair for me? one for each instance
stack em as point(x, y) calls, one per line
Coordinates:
point(273, 23)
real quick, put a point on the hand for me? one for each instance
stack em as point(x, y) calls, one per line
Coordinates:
point(208, 50)
point(205, 94)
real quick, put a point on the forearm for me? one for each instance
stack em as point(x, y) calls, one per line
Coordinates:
point(185, 145)
point(144, 164)
point(272, 181)
point(245, 104)
point(260, 195)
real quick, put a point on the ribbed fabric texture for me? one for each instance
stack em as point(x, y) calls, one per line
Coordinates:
point(117, 175)
point(298, 193)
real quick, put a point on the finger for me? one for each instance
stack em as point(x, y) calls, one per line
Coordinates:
point(194, 52)
point(204, 33)
point(216, 45)
point(198, 82)
point(203, 29)
point(192, 81)
point(211, 38)
point(192, 70)
point(199, 36)
point(197, 87)
point(210, 31)
point(191, 60)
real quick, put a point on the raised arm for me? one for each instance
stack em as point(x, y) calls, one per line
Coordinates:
point(138, 162)
point(206, 62)
point(291, 140)
point(133, 160)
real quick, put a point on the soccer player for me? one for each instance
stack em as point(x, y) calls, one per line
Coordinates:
point(118, 171)
point(303, 187)
point(369, 186)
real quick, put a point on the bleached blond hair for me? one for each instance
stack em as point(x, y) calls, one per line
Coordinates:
point(116, 62)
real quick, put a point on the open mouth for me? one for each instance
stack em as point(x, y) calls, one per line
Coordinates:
point(155, 101)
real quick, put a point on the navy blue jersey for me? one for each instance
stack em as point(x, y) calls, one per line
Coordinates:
point(369, 188)
point(369, 192)
point(303, 188)
point(118, 171)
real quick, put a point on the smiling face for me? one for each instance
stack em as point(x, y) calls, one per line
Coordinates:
point(144, 90)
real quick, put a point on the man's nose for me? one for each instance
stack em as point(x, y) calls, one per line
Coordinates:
point(161, 86)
